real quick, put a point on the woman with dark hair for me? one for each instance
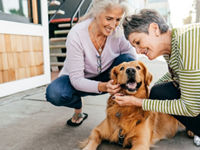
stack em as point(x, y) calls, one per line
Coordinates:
point(178, 91)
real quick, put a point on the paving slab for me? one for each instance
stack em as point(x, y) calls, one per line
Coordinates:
point(28, 124)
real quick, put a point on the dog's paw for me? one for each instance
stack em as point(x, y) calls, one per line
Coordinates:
point(197, 140)
point(86, 148)
point(83, 144)
point(190, 133)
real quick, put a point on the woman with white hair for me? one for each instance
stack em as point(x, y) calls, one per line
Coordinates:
point(94, 46)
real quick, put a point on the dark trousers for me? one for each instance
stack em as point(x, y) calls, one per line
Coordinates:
point(168, 91)
point(61, 93)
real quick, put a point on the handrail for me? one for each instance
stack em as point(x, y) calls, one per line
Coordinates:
point(52, 17)
point(88, 8)
point(75, 13)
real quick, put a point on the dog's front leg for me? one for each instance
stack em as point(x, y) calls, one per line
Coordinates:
point(142, 142)
point(94, 140)
point(97, 135)
point(140, 147)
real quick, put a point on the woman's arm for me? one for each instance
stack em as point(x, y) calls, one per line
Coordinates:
point(123, 100)
point(109, 87)
point(187, 105)
point(165, 78)
point(74, 64)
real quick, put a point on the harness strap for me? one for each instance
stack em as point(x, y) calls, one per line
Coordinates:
point(120, 138)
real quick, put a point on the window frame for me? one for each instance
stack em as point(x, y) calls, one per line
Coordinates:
point(21, 19)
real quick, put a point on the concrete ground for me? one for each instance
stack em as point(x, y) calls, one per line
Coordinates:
point(28, 122)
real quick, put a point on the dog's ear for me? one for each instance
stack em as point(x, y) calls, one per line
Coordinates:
point(148, 78)
point(147, 75)
point(113, 75)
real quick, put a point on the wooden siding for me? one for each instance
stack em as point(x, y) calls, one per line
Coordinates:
point(21, 56)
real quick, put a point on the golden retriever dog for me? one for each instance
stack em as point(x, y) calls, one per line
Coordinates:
point(130, 125)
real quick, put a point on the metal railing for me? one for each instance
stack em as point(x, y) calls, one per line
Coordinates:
point(88, 9)
point(77, 12)
point(54, 15)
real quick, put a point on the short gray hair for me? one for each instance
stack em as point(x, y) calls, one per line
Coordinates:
point(98, 6)
point(140, 22)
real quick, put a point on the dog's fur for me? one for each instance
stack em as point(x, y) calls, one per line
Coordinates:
point(140, 129)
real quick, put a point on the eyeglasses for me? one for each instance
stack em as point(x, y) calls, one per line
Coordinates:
point(99, 69)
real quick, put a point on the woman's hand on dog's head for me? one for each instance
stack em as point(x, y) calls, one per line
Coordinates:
point(109, 87)
point(112, 88)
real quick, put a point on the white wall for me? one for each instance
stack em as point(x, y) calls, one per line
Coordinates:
point(35, 30)
point(136, 5)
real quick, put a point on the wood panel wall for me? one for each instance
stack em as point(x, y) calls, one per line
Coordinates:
point(21, 56)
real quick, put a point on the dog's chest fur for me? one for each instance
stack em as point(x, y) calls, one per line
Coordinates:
point(125, 117)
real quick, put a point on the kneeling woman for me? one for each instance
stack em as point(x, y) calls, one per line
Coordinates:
point(94, 46)
point(178, 91)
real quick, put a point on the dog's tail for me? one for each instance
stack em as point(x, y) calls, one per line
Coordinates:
point(181, 127)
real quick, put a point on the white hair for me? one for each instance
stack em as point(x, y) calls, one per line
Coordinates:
point(98, 6)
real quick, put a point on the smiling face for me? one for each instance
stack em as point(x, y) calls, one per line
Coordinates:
point(108, 20)
point(151, 44)
point(132, 76)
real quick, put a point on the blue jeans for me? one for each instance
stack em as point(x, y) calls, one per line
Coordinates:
point(61, 93)
point(167, 91)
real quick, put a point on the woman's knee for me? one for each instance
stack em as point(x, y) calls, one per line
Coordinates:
point(53, 95)
point(123, 58)
point(59, 91)
point(154, 94)
point(126, 57)
point(57, 98)
point(164, 91)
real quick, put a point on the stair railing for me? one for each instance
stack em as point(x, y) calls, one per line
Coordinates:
point(54, 15)
point(77, 12)
point(88, 9)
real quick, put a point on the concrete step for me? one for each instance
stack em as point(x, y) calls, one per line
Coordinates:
point(58, 39)
point(65, 25)
point(57, 63)
point(58, 54)
point(57, 46)
point(54, 75)
point(52, 12)
point(54, 3)
point(61, 31)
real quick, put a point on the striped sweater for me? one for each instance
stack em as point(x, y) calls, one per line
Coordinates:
point(185, 64)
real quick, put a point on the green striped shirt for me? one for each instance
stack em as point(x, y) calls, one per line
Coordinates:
point(185, 63)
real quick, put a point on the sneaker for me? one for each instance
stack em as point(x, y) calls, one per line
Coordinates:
point(197, 140)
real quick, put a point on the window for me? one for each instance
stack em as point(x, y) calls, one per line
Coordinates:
point(157, 1)
point(20, 10)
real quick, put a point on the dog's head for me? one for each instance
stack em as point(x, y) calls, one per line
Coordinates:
point(132, 76)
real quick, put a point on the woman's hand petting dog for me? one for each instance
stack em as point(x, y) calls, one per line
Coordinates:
point(109, 87)
point(123, 100)
point(112, 88)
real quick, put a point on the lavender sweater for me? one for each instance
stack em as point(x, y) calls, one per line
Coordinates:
point(81, 61)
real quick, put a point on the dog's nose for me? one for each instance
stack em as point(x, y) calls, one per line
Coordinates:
point(130, 71)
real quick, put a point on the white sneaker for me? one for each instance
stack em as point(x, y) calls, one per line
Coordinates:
point(197, 140)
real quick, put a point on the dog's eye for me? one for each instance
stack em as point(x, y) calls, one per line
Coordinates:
point(138, 67)
point(122, 68)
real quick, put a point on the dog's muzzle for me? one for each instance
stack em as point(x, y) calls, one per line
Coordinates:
point(130, 72)
point(131, 85)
